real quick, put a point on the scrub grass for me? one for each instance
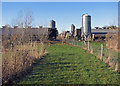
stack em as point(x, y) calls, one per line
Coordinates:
point(66, 64)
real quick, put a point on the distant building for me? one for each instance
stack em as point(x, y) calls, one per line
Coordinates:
point(104, 28)
point(100, 33)
point(67, 34)
point(40, 26)
point(52, 33)
point(96, 28)
point(72, 29)
point(100, 28)
point(77, 33)
point(52, 24)
point(62, 35)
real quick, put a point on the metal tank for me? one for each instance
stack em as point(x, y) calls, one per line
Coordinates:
point(72, 29)
point(86, 25)
point(52, 24)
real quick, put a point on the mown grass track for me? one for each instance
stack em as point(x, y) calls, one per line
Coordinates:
point(66, 64)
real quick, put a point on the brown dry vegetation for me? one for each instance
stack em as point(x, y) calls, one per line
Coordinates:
point(113, 39)
point(19, 50)
point(112, 42)
point(17, 56)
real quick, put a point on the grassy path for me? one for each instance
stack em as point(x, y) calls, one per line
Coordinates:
point(66, 64)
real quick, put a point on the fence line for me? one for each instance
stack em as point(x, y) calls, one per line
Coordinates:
point(108, 56)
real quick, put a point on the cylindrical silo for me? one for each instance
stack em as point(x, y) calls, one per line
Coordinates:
point(52, 24)
point(72, 29)
point(86, 25)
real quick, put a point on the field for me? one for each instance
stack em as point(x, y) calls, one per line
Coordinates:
point(96, 47)
point(66, 64)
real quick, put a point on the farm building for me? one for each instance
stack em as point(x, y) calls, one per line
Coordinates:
point(95, 33)
point(101, 33)
point(33, 32)
point(51, 32)
point(77, 33)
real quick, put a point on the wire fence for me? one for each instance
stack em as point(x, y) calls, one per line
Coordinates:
point(108, 56)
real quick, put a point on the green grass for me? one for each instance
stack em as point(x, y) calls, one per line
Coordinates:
point(96, 46)
point(66, 64)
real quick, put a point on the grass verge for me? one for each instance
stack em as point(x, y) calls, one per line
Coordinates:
point(66, 64)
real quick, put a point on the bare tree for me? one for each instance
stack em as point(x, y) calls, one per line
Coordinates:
point(23, 49)
point(28, 18)
point(18, 60)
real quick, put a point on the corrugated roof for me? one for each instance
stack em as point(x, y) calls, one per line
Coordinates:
point(102, 31)
point(32, 31)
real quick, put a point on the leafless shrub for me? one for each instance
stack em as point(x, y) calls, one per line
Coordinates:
point(19, 50)
point(112, 39)
point(112, 43)
point(104, 60)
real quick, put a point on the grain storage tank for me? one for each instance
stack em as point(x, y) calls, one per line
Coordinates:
point(52, 24)
point(86, 25)
point(72, 29)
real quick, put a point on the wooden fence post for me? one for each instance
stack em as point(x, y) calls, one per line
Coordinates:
point(116, 67)
point(85, 44)
point(101, 51)
point(88, 45)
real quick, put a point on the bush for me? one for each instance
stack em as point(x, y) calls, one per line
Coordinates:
point(18, 54)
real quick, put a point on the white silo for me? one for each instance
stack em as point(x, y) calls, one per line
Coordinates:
point(86, 25)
